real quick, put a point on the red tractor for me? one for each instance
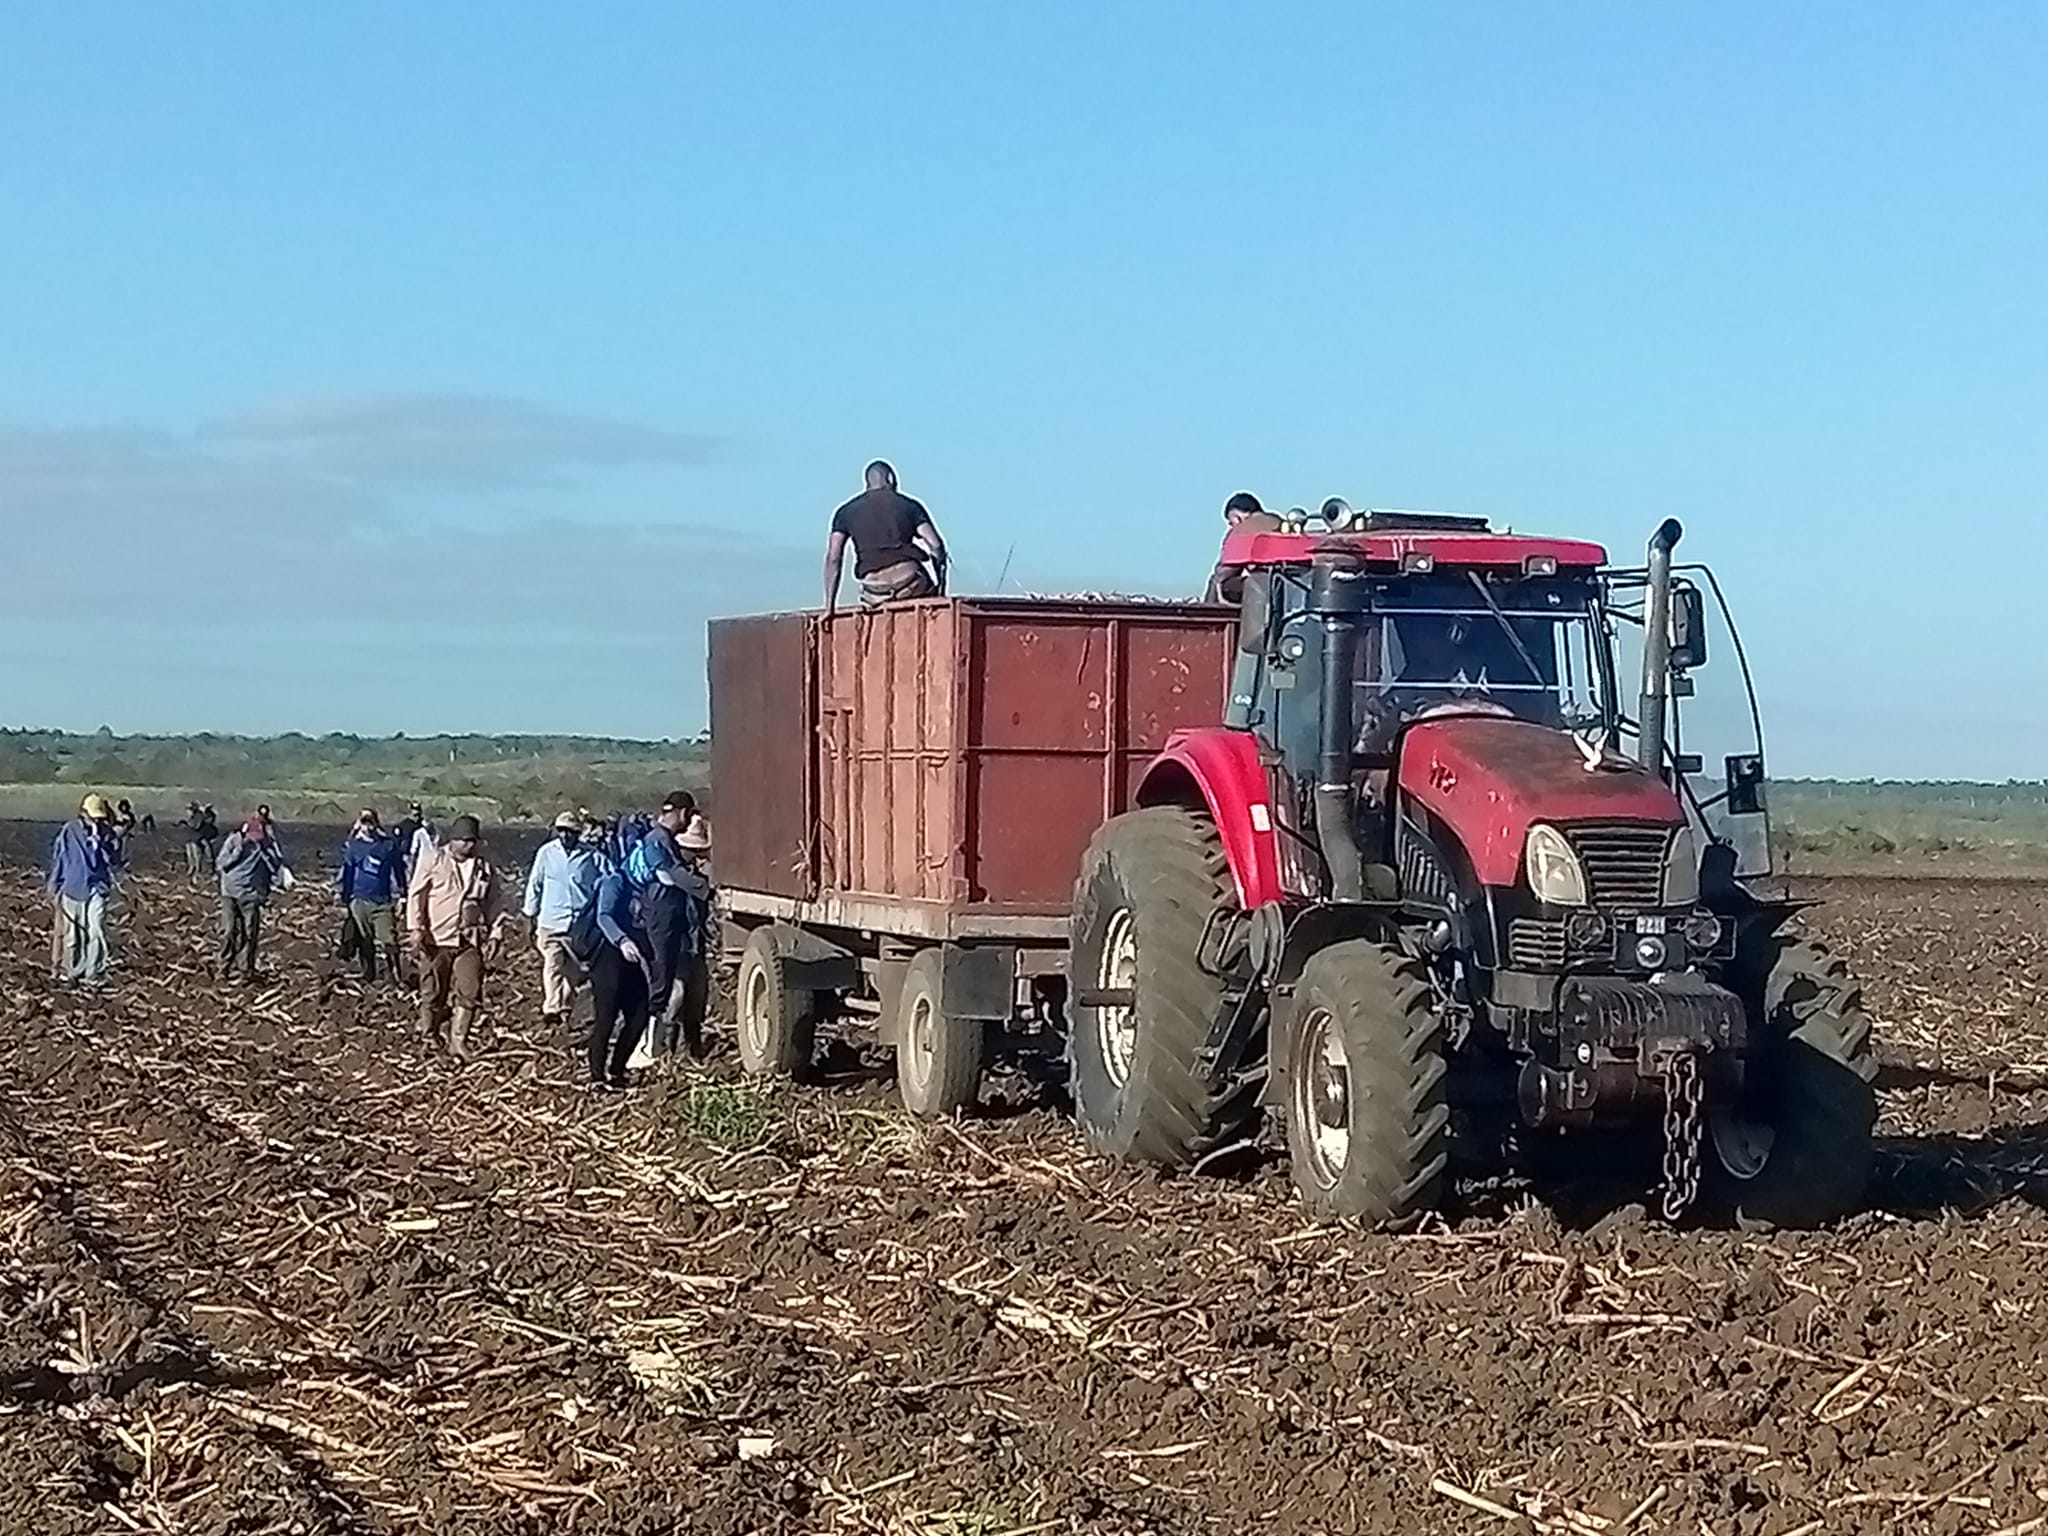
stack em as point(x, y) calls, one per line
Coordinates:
point(1413, 896)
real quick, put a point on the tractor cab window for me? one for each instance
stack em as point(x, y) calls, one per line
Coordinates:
point(1531, 650)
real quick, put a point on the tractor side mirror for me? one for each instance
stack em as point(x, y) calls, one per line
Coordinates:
point(1688, 628)
point(1745, 784)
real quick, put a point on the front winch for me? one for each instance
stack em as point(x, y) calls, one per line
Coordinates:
point(1620, 1041)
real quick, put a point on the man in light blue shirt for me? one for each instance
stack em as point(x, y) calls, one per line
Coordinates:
point(562, 882)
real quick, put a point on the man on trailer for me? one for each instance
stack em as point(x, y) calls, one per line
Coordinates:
point(1242, 511)
point(898, 555)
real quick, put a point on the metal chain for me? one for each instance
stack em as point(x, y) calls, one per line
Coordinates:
point(1682, 1135)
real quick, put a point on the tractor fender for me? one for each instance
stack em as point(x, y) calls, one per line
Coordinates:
point(1219, 771)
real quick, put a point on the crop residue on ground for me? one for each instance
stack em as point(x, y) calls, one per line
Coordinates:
point(270, 1265)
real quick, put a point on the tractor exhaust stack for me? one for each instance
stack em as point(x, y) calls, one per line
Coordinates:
point(1650, 713)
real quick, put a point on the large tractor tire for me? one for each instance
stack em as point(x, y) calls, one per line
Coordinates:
point(774, 1020)
point(1798, 1154)
point(1149, 883)
point(938, 1057)
point(1368, 1120)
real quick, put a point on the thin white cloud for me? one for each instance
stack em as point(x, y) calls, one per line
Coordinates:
point(345, 505)
point(449, 439)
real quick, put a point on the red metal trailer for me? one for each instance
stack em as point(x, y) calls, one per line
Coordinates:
point(904, 797)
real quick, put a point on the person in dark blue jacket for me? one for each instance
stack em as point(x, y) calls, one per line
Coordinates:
point(618, 983)
point(372, 881)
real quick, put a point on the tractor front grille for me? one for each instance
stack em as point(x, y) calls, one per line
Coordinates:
point(1536, 943)
point(1624, 863)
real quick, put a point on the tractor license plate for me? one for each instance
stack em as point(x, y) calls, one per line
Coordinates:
point(1653, 926)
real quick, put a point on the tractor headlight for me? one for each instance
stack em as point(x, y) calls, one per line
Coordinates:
point(1682, 871)
point(1555, 875)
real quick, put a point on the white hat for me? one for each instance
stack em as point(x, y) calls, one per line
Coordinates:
point(696, 837)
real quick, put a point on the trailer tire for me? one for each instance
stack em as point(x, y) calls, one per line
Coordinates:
point(1814, 1090)
point(938, 1056)
point(1149, 882)
point(1368, 1117)
point(774, 1020)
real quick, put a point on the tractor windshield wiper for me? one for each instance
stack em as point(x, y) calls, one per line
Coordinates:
point(1521, 650)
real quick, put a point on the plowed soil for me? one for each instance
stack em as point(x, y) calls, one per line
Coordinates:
point(269, 1264)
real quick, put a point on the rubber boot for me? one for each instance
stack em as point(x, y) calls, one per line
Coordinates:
point(459, 1024)
point(426, 1022)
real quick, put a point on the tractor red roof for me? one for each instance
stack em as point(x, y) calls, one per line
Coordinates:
point(1389, 545)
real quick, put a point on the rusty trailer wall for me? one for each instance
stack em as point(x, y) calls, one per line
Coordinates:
point(946, 757)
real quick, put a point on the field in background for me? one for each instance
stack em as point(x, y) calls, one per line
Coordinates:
point(1825, 824)
point(1820, 824)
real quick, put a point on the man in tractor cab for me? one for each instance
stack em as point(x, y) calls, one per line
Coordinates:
point(898, 555)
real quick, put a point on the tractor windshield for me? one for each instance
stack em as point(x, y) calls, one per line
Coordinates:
point(1533, 649)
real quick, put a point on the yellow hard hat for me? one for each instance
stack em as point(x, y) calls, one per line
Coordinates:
point(95, 806)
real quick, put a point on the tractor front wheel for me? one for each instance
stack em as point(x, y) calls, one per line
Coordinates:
point(1368, 1122)
point(1796, 1153)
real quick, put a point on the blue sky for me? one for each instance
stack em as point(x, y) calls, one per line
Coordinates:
point(376, 367)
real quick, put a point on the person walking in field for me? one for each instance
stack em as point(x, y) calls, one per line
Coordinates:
point(83, 860)
point(898, 555)
point(197, 857)
point(455, 912)
point(562, 882)
point(250, 868)
point(371, 884)
point(690, 993)
point(619, 992)
point(666, 886)
point(419, 848)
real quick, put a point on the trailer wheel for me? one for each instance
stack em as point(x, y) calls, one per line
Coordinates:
point(1797, 1153)
point(938, 1057)
point(774, 1018)
point(1149, 882)
point(1368, 1121)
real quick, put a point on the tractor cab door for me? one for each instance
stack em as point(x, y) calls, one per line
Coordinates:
point(1714, 738)
point(1275, 695)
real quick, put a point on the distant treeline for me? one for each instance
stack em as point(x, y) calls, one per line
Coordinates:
point(512, 777)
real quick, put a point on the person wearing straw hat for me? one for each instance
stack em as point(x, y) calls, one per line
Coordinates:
point(562, 882)
point(83, 857)
point(690, 993)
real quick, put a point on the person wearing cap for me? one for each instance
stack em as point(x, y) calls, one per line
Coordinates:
point(83, 860)
point(455, 911)
point(372, 876)
point(562, 882)
point(668, 887)
point(250, 867)
point(898, 555)
point(1241, 514)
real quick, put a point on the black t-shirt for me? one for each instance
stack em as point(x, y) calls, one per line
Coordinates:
point(882, 525)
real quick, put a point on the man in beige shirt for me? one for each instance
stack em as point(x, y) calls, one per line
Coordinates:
point(455, 910)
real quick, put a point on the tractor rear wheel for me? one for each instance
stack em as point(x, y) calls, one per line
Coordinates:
point(1797, 1152)
point(1141, 1009)
point(1368, 1120)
